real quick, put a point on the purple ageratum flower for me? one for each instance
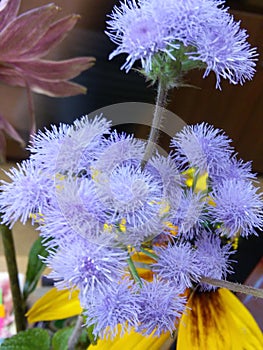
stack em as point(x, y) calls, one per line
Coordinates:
point(238, 208)
point(66, 148)
point(177, 264)
point(138, 33)
point(54, 228)
point(27, 193)
point(160, 307)
point(223, 47)
point(185, 16)
point(216, 40)
point(166, 169)
point(114, 311)
point(213, 258)
point(202, 147)
point(89, 267)
point(116, 150)
point(151, 26)
point(134, 236)
point(131, 193)
point(134, 195)
point(234, 169)
point(204, 28)
point(191, 214)
point(76, 209)
point(45, 147)
point(84, 141)
point(118, 177)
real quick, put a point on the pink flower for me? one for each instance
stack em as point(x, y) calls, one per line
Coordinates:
point(27, 37)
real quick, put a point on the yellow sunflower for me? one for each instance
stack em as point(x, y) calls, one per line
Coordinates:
point(214, 320)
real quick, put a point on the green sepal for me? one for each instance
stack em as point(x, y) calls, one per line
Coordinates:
point(91, 336)
point(170, 71)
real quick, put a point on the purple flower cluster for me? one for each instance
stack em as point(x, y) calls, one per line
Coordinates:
point(97, 208)
point(235, 204)
point(202, 29)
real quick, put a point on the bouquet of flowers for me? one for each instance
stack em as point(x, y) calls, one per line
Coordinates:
point(145, 241)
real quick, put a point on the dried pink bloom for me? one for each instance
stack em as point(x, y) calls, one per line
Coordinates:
point(25, 38)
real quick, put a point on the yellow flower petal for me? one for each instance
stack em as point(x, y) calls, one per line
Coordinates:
point(55, 305)
point(140, 257)
point(134, 341)
point(145, 274)
point(122, 225)
point(141, 261)
point(171, 228)
point(218, 320)
point(201, 181)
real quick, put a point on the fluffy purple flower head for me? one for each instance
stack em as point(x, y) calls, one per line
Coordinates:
point(234, 169)
point(134, 197)
point(137, 32)
point(89, 267)
point(27, 193)
point(166, 169)
point(131, 193)
point(68, 148)
point(76, 209)
point(45, 147)
point(202, 29)
point(213, 258)
point(161, 306)
point(238, 208)
point(177, 264)
point(84, 141)
point(223, 47)
point(202, 147)
point(114, 311)
point(55, 228)
point(116, 150)
point(184, 17)
point(190, 215)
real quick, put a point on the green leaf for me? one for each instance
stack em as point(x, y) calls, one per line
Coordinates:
point(91, 336)
point(35, 267)
point(61, 338)
point(35, 338)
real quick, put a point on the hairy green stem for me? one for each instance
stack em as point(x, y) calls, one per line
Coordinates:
point(235, 287)
point(73, 339)
point(10, 256)
point(156, 123)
